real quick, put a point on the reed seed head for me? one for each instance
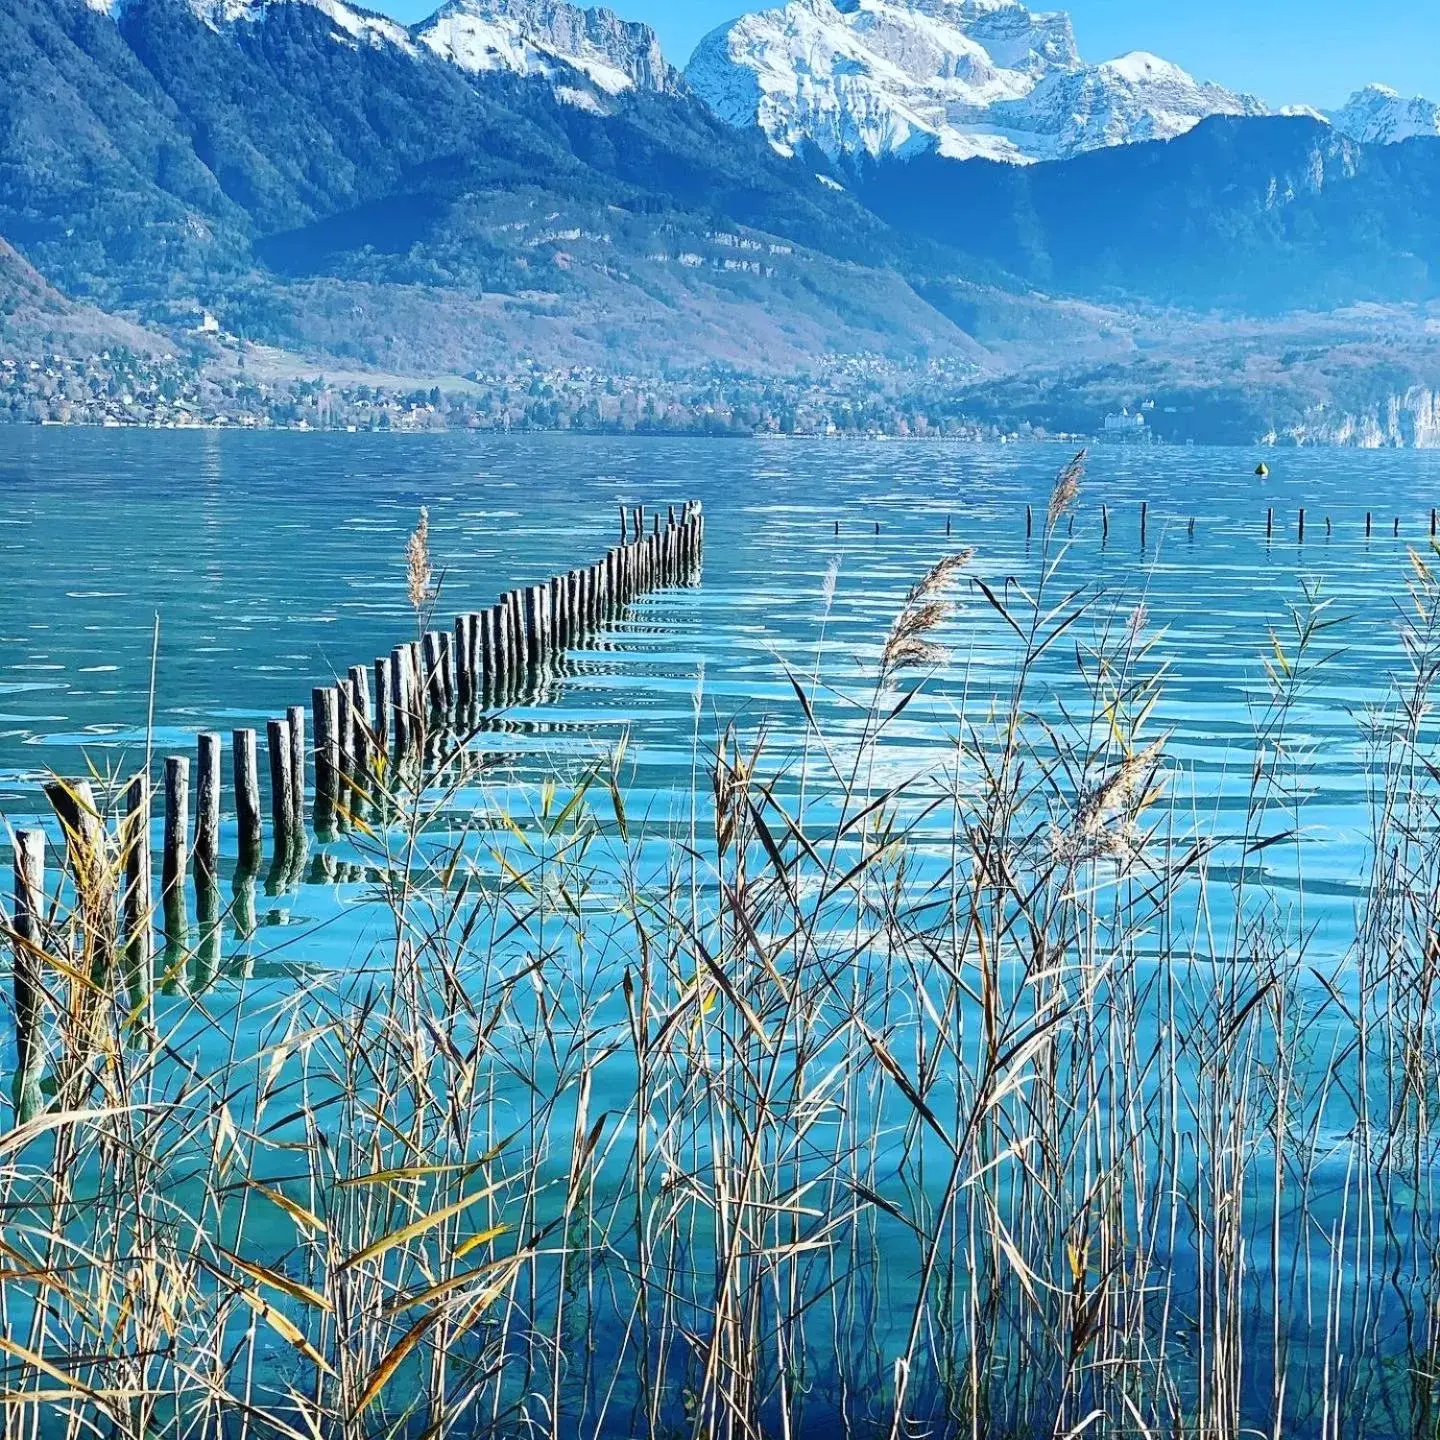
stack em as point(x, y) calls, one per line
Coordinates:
point(420, 573)
point(1067, 487)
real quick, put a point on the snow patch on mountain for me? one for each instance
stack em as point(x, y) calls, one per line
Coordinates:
point(1378, 115)
point(538, 37)
point(351, 23)
point(969, 78)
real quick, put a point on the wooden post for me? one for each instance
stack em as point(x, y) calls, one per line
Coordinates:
point(449, 689)
point(295, 721)
point(27, 922)
point(325, 708)
point(381, 723)
point(360, 686)
point(1433, 521)
point(1144, 519)
point(246, 775)
point(624, 527)
point(432, 675)
point(1397, 527)
point(400, 699)
point(1367, 524)
point(207, 811)
point(282, 790)
point(555, 598)
point(345, 736)
point(1104, 522)
point(639, 517)
point(534, 626)
point(1302, 524)
point(1269, 522)
point(1029, 523)
point(175, 860)
point(138, 906)
point(490, 652)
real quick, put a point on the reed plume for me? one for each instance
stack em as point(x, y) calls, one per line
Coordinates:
point(419, 571)
point(1067, 487)
point(908, 645)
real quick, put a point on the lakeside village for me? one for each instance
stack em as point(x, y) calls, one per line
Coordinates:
point(854, 396)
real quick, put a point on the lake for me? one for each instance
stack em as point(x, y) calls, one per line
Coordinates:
point(1193, 990)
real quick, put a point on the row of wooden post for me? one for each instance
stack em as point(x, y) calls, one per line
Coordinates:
point(489, 658)
point(1190, 527)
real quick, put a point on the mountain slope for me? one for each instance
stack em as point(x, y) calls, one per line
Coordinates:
point(318, 180)
point(962, 78)
point(1257, 215)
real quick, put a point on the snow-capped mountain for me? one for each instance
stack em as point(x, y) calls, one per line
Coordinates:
point(530, 37)
point(351, 23)
point(548, 38)
point(1378, 115)
point(964, 78)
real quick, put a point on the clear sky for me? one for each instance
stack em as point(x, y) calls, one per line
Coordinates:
point(1286, 51)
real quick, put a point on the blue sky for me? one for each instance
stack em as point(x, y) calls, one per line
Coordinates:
point(1286, 51)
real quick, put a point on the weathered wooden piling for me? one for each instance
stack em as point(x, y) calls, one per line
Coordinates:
point(448, 689)
point(175, 859)
point(137, 909)
point(381, 722)
point(1302, 525)
point(1104, 522)
point(245, 774)
point(360, 688)
point(1397, 527)
point(295, 723)
point(206, 850)
point(433, 671)
point(325, 710)
point(282, 809)
point(27, 924)
point(345, 734)
point(400, 714)
point(1029, 523)
point(1434, 519)
point(1367, 524)
point(1144, 519)
point(534, 626)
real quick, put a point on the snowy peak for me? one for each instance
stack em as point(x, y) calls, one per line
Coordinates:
point(352, 25)
point(1378, 115)
point(544, 37)
point(966, 78)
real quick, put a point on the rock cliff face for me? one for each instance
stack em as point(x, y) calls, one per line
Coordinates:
point(534, 36)
point(962, 78)
point(1408, 421)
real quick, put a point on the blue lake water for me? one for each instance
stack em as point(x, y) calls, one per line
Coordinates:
point(272, 562)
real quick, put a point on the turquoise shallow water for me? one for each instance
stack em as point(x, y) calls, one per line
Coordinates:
point(273, 561)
